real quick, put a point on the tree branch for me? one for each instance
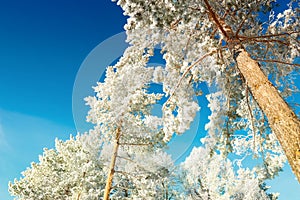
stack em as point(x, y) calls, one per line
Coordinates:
point(136, 144)
point(215, 18)
point(276, 61)
point(265, 41)
point(174, 24)
point(186, 71)
point(243, 22)
point(268, 36)
point(251, 115)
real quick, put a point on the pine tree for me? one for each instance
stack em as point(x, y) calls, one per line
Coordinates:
point(236, 45)
point(122, 110)
point(72, 170)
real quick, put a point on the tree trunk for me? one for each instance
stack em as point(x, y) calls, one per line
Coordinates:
point(282, 120)
point(112, 166)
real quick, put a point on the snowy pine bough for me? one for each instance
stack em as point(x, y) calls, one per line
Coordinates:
point(244, 49)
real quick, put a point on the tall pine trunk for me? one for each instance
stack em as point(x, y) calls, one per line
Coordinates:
point(111, 171)
point(282, 120)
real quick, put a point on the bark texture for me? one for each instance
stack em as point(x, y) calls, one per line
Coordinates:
point(282, 120)
point(112, 166)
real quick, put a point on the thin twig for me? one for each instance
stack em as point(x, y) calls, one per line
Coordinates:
point(225, 14)
point(136, 144)
point(173, 25)
point(122, 172)
point(186, 71)
point(215, 18)
point(243, 22)
point(276, 61)
point(197, 9)
point(268, 36)
point(266, 41)
point(267, 49)
point(295, 39)
point(251, 115)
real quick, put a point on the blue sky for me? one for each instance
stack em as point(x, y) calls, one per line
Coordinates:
point(42, 47)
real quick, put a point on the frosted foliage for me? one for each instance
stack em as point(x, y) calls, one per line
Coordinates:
point(122, 91)
point(71, 170)
point(123, 103)
point(195, 51)
point(186, 33)
point(122, 99)
point(152, 179)
point(211, 176)
point(141, 174)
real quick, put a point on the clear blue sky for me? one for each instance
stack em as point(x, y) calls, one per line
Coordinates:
point(42, 46)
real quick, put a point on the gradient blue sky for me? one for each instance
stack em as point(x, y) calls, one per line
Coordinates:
point(42, 46)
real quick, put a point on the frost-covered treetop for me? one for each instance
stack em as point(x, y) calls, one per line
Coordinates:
point(72, 170)
point(197, 47)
